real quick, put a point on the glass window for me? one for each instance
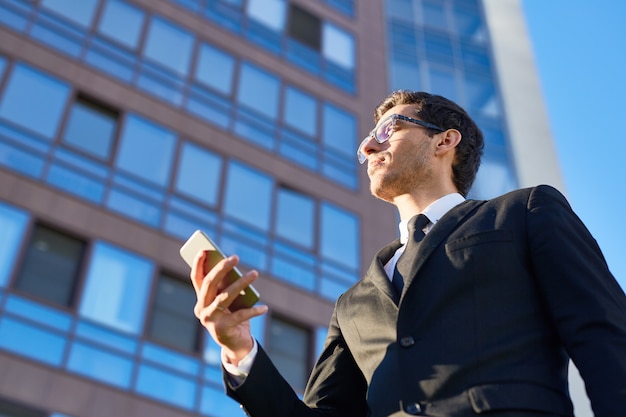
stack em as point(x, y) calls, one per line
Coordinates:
point(34, 100)
point(105, 366)
point(146, 150)
point(338, 46)
point(443, 82)
point(270, 13)
point(300, 111)
point(305, 27)
point(295, 217)
point(199, 173)
point(259, 90)
point(289, 345)
point(480, 95)
point(122, 22)
point(116, 288)
point(12, 226)
point(339, 236)
point(3, 65)
point(434, 14)
point(248, 195)
point(172, 321)
point(339, 130)
point(91, 128)
point(9, 409)
point(169, 45)
point(80, 12)
point(400, 10)
point(215, 69)
point(50, 268)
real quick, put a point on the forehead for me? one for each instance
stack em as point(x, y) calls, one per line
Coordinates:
point(403, 109)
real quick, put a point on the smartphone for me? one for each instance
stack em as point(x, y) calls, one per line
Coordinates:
point(200, 241)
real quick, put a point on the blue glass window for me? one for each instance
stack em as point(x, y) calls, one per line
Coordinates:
point(339, 236)
point(248, 195)
point(270, 13)
point(339, 131)
point(295, 217)
point(116, 288)
point(80, 12)
point(480, 94)
point(434, 15)
point(12, 226)
point(146, 150)
point(169, 45)
point(300, 111)
point(338, 46)
point(166, 386)
point(122, 22)
point(444, 83)
point(50, 268)
point(199, 173)
point(259, 90)
point(171, 322)
point(91, 128)
point(27, 340)
point(34, 100)
point(215, 69)
point(93, 362)
point(3, 65)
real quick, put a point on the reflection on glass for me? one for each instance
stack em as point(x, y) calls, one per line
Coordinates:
point(338, 46)
point(50, 268)
point(122, 22)
point(116, 288)
point(270, 13)
point(104, 366)
point(169, 45)
point(146, 150)
point(339, 131)
point(172, 322)
point(215, 68)
point(288, 346)
point(248, 196)
point(34, 100)
point(80, 12)
point(295, 217)
point(300, 111)
point(339, 236)
point(91, 128)
point(199, 173)
point(258, 90)
point(12, 226)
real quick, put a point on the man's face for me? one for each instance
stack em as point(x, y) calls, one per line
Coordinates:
point(402, 164)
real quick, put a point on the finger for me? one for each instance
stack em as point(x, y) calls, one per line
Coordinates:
point(212, 283)
point(234, 290)
point(197, 270)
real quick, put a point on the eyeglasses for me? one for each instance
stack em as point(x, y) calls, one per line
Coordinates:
point(385, 128)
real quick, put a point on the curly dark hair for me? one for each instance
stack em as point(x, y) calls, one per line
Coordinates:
point(446, 114)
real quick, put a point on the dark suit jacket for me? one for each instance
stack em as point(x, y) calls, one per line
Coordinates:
point(502, 293)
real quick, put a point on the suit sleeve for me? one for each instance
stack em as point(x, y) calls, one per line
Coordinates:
point(583, 299)
point(336, 387)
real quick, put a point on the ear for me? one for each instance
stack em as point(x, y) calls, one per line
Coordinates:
point(447, 141)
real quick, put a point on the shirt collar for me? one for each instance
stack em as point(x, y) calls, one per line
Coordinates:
point(435, 211)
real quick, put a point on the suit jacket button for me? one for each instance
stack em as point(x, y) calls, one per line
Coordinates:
point(413, 409)
point(407, 341)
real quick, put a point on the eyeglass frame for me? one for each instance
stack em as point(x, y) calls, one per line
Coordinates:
point(362, 157)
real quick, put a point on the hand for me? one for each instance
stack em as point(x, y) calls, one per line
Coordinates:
point(230, 330)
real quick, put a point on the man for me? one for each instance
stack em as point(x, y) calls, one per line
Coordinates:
point(480, 317)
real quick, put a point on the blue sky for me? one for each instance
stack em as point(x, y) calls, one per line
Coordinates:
point(580, 53)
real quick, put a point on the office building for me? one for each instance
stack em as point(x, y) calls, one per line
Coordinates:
point(125, 125)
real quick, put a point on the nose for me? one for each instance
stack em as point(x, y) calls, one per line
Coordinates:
point(368, 146)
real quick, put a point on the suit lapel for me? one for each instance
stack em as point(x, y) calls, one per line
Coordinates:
point(437, 234)
point(376, 272)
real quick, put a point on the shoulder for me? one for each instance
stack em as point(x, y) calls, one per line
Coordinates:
point(531, 196)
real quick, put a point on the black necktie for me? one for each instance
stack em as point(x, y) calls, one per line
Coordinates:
point(416, 234)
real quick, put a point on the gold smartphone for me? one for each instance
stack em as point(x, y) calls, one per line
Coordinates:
point(200, 241)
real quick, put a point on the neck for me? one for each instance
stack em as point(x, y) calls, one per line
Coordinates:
point(409, 205)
